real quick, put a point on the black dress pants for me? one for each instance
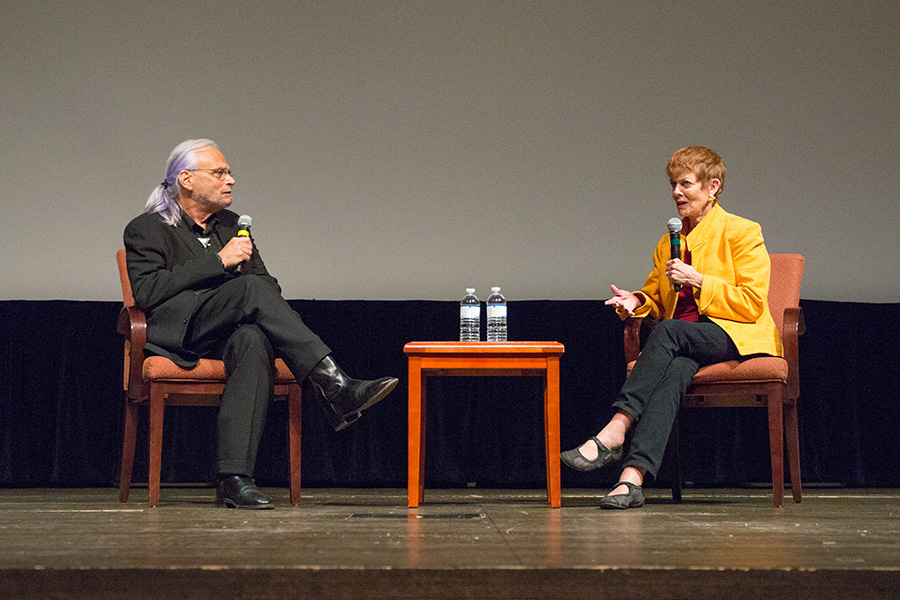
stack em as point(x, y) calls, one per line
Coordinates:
point(673, 353)
point(246, 323)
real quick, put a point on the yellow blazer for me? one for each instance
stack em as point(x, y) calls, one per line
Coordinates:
point(730, 253)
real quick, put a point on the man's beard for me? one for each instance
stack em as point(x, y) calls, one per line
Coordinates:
point(207, 202)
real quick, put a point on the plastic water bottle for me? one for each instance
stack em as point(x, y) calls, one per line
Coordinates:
point(496, 316)
point(470, 317)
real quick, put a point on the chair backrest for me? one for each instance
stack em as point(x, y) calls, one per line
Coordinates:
point(127, 298)
point(784, 284)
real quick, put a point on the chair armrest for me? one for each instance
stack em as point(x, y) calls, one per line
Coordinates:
point(794, 326)
point(133, 325)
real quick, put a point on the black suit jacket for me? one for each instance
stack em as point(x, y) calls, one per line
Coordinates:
point(169, 269)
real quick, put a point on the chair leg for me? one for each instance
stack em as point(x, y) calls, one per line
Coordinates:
point(129, 437)
point(294, 405)
point(776, 445)
point(157, 405)
point(674, 451)
point(792, 438)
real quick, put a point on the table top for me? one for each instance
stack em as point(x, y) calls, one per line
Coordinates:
point(484, 348)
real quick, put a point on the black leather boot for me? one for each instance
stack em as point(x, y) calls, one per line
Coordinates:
point(344, 398)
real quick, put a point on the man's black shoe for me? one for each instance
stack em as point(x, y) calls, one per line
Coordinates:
point(239, 491)
point(344, 398)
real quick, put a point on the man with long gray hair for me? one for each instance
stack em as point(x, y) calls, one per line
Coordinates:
point(207, 294)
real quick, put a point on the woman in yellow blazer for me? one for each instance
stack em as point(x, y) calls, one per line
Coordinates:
point(720, 313)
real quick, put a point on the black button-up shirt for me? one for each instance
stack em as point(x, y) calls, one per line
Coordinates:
point(208, 237)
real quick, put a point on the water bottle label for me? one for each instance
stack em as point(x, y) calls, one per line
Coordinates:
point(496, 310)
point(469, 312)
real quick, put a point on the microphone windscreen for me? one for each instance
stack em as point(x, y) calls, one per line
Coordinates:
point(674, 224)
point(245, 221)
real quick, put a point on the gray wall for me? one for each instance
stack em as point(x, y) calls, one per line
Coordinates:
point(409, 149)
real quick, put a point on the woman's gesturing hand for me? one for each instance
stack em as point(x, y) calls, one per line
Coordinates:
point(621, 299)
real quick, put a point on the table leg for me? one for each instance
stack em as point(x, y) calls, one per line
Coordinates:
point(547, 454)
point(422, 418)
point(551, 429)
point(416, 434)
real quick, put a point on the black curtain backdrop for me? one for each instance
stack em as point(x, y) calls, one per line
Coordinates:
point(61, 402)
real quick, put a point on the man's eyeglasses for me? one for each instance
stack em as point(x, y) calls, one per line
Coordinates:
point(220, 173)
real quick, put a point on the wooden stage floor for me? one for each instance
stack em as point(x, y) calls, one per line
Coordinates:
point(352, 543)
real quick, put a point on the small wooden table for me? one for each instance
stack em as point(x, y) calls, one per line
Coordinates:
point(482, 358)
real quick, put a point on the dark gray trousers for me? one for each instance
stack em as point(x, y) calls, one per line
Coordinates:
point(246, 323)
point(673, 353)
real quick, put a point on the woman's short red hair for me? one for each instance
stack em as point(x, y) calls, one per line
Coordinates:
point(700, 160)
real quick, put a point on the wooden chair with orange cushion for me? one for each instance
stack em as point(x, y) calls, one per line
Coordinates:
point(156, 381)
point(767, 381)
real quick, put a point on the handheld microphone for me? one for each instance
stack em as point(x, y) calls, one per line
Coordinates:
point(674, 226)
point(244, 225)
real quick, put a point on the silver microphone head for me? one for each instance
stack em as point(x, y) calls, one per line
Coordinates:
point(674, 225)
point(245, 221)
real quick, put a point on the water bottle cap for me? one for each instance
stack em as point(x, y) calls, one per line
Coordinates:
point(470, 290)
point(495, 289)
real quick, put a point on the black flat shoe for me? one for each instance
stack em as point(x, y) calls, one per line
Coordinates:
point(633, 499)
point(574, 459)
point(343, 398)
point(239, 491)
